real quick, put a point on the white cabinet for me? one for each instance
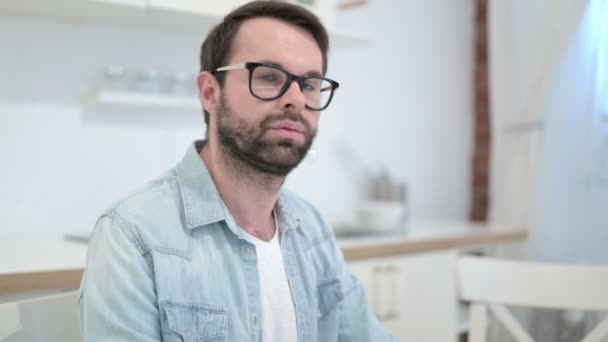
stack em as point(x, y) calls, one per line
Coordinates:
point(324, 9)
point(413, 296)
point(132, 3)
point(198, 7)
point(185, 15)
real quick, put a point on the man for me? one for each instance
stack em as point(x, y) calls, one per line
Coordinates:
point(214, 250)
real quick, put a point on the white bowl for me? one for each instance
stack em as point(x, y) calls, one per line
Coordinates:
point(381, 215)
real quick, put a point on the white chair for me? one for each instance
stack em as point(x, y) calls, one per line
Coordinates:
point(51, 318)
point(489, 283)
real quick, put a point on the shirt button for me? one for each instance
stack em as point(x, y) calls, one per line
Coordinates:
point(255, 321)
point(247, 250)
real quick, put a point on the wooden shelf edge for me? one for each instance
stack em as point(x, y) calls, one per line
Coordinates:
point(387, 249)
point(35, 281)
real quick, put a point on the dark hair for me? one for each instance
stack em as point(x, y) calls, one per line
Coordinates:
point(217, 46)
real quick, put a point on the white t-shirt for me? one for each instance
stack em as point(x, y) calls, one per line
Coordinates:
point(278, 313)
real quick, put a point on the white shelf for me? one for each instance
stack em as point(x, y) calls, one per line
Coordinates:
point(138, 13)
point(109, 98)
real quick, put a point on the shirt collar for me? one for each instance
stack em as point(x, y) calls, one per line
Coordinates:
point(202, 204)
point(286, 214)
point(200, 198)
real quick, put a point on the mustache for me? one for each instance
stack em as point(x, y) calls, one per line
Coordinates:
point(286, 115)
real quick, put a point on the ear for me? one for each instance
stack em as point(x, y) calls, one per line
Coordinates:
point(208, 90)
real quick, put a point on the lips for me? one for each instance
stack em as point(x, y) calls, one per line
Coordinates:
point(288, 125)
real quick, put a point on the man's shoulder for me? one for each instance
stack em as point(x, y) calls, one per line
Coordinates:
point(150, 196)
point(152, 214)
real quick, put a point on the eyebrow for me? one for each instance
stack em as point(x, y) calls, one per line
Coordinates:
point(315, 73)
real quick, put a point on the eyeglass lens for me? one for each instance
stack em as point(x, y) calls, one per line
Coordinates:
point(267, 83)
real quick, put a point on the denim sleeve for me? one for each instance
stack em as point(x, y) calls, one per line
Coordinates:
point(357, 321)
point(117, 293)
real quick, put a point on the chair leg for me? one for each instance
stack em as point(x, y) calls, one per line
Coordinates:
point(510, 322)
point(600, 331)
point(478, 322)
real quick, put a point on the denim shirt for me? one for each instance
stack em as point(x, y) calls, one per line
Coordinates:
point(169, 263)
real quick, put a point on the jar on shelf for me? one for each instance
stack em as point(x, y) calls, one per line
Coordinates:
point(114, 79)
point(147, 81)
point(181, 83)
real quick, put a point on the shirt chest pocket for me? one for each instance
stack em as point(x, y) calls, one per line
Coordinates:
point(188, 322)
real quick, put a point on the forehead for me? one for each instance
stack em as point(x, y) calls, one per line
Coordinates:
point(268, 39)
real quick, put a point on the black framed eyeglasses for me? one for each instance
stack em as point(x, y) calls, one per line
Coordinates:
point(269, 82)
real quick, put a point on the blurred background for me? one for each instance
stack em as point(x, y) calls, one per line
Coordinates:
point(405, 105)
point(480, 110)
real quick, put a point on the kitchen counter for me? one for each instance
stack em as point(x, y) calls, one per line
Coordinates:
point(56, 263)
point(40, 264)
point(426, 236)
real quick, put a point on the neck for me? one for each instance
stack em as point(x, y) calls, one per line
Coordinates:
point(249, 195)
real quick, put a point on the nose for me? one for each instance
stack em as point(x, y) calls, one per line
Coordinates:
point(293, 99)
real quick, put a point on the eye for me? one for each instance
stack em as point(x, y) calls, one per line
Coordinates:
point(308, 87)
point(269, 77)
point(311, 84)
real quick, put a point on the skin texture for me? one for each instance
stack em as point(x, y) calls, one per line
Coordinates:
point(253, 144)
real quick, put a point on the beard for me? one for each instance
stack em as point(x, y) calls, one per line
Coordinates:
point(247, 148)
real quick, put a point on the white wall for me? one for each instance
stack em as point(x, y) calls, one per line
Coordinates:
point(405, 102)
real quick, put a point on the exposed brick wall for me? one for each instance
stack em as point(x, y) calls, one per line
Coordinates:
point(482, 136)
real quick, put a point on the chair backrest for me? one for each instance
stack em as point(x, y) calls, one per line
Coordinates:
point(51, 318)
point(490, 283)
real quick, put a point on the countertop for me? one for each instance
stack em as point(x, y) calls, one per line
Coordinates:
point(57, 263)
point(425, 236)
point(40, 264)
